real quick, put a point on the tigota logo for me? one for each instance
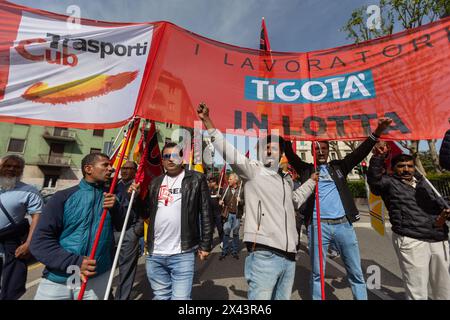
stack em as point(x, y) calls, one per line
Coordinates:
point(58, 50)
point(352, 86)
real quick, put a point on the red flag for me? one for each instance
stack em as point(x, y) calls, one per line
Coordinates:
point(150, 164)
point(223, 177)
point(264, 43)
point(247, 154)
point(394, 150)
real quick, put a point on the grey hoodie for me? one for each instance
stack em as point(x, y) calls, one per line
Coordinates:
point(269, 198)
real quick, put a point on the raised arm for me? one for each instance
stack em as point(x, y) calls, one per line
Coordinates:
point(294, 160)
point(352, 159)
point(376, 178)
point(302, 193)
point(238, 162)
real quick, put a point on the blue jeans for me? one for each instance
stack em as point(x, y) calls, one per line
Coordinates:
point(95, 289)
point(232, 225)
point(269, 276)
point(171, 276)
point(344, 237)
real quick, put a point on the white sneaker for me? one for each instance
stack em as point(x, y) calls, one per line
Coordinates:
point(221, 245)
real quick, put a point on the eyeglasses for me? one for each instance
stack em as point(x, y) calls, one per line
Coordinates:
point(167, 156)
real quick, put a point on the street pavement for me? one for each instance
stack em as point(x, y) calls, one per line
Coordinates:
point(224, 280)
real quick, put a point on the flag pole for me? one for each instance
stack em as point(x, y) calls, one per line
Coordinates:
point(433, 188)
point(105, 211)
point(221, 178)
point(319, 227)
point(112, 152)
point(238, 195)
point(119, 246)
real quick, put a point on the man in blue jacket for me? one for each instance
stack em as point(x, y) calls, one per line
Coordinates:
point(65, 234)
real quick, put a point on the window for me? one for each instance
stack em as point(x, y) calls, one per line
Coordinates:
point(98, 132)
point(16, 145)
point(171, 106)
point(95, 150)
point(303, 156)
point(107, 146)
point(333, 156)
point(50, 181)
point(168, 125)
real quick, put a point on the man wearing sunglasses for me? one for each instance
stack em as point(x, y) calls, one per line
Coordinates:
point(181, 224)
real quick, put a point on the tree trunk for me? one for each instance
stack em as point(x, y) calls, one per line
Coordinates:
point(352, 144)
point(434, 155)
point(335, 147)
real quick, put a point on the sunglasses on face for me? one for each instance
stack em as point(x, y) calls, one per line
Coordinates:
point(167, 156)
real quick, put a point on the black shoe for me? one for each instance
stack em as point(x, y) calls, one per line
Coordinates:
point(236, 256)
point(222, 256)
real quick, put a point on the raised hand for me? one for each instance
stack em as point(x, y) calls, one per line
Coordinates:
point(383, 124)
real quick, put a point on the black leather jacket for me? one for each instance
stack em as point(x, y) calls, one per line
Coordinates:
point(196, 211)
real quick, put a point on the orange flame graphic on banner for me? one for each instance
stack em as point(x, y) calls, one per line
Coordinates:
point(79, 90)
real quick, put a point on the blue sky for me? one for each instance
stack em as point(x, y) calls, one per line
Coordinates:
point(293, 25)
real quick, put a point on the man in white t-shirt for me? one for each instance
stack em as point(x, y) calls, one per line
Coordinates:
point(181, 224)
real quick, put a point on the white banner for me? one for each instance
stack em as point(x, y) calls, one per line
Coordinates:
point(87, 75)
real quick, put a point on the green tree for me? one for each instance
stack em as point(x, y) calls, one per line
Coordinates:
point(410, 14)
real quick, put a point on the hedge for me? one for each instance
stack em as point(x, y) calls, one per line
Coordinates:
point(441, 182)
point(357, 188)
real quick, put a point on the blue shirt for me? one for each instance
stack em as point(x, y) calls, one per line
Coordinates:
point(330, 201)
point(21, 200)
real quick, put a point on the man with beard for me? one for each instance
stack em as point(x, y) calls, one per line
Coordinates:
point(129, 253)
point(233, 203)
point(269, 229)
point(420, 243)
point(66, 232)
point(16, 200)
point(337, 209)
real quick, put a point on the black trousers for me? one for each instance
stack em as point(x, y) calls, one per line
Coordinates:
point(128, 259)
point(13, 272)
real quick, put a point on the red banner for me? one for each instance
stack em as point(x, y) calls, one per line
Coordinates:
point(329, 94)
point(102, 74)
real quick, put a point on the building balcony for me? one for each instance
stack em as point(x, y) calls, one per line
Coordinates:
point(54, 161)
point(60, 134)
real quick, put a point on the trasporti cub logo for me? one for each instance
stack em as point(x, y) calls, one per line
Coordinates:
point(57, 52)
point(351, 86)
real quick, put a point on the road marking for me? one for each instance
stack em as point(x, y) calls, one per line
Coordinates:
point(33, 283)
point(35, 265)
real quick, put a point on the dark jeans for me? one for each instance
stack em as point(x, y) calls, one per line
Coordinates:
point(218, 220)
point(231, 226)
point(13, 272)
point(128, 259)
